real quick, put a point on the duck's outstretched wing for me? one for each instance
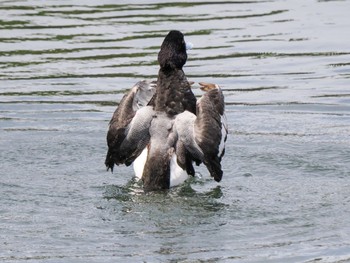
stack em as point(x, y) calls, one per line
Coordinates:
point(120, 125)
point(203, 135)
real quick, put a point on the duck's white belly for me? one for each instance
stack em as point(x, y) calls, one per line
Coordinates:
point(177, 174)
point(139, 163)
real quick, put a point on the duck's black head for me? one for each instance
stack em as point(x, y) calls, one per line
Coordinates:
point(172, 54)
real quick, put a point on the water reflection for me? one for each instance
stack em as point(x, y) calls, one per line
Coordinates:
point(182, 197)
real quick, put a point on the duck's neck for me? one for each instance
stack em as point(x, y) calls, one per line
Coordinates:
point(172, 89)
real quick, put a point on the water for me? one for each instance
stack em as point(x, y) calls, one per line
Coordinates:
point(284, 67)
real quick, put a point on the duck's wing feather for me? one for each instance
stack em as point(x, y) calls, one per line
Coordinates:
point(119, 126)
point(203, 135)
point(138, 135)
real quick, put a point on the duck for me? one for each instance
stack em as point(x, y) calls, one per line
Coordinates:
point(163, 130)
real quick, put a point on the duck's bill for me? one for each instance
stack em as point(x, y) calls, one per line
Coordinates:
point(189, 45)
